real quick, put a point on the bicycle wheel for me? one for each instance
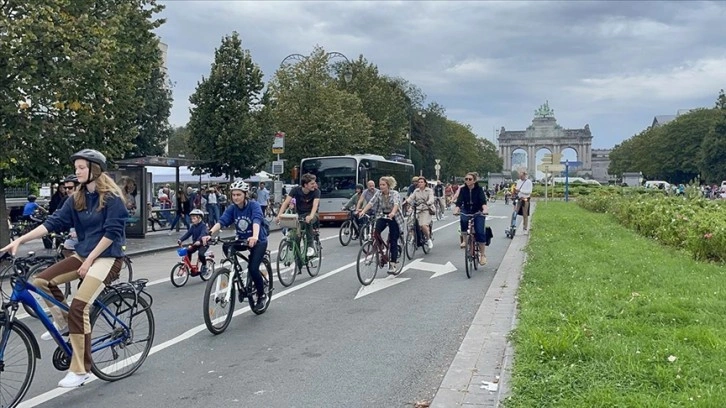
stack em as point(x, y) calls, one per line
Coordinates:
point(210, 270)
point(118, 351)
point(366, 232)
point(468, 258)
point(127, 271)
point(252, 292)
point(401, 257)
point(313, 265)
point(411, 244)
point(286, 264)
point(217, 309)
point(19, 362)
point(439, 211)
point(345, 233)
point(179, 275)
point(367, 264)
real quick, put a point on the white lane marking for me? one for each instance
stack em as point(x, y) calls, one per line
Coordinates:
point(49, 395)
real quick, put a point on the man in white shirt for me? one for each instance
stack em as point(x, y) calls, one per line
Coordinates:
point(524, 191)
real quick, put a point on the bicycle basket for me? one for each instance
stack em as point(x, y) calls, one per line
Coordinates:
point(288, 221)
point(182, 251)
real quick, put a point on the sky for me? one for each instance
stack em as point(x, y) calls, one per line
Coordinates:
point(613, 65)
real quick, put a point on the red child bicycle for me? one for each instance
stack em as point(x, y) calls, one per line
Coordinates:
point(181, 272)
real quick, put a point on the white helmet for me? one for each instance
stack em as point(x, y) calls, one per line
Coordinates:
point(239, 185)
point(198, 212)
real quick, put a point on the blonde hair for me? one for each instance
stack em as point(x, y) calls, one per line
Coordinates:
point(390, 181)
point(105, 186)
point(474, 175)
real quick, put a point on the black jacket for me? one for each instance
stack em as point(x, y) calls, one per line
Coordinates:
point(471, 201)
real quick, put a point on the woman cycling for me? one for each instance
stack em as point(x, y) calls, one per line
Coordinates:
point(250, 225)
point(423, 198)
point(98, 213)
point(472, 200)
point(389, 202)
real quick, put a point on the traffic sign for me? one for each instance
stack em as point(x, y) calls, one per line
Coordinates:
point(278, 144)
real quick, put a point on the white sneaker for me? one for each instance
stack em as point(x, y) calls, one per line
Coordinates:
point(430, 244)
point(73, 380)
point(63, 330)
point(311, 252)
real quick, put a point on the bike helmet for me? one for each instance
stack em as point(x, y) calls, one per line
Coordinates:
point(71, 178)
point(198, 212)
point(32, 198)
point(239, 185)
point(93, 156)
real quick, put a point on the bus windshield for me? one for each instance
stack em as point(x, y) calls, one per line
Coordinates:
point(335, 175)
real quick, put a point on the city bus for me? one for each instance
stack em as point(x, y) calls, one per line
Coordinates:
point(338, 175)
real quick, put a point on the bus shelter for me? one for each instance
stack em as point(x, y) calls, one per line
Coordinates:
point(136, 182)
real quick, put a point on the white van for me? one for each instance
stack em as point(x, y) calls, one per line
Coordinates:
point(664, 185)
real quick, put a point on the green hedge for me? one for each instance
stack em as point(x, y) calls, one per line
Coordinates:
point(693, 224)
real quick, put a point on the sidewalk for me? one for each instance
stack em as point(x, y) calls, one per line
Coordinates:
point(479, 375)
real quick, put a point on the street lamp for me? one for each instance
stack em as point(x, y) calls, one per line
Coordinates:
point(296, 58)
point(410, 133)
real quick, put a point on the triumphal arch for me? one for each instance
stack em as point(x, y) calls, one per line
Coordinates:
point(545, 133)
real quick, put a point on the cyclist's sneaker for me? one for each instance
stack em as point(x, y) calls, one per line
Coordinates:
point(63, 331)
point(73, 380)
point(261, 302)
point(462, 245)
point(430, 243)
point(311, 252)
point(203, 270)
point(392, 267)
point(482, 260)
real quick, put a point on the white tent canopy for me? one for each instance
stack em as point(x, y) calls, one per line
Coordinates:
point(168, 175)
point(261, 176)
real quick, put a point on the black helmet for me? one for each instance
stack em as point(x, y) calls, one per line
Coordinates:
point(71, 178)
point(359, 186)
point(93, 156)
point(31, 198)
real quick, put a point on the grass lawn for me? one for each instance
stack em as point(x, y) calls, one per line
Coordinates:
point(608, 318)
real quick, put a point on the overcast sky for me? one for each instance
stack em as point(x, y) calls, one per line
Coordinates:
point(613, 65)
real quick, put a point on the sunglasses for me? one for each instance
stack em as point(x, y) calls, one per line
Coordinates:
point(468, 179)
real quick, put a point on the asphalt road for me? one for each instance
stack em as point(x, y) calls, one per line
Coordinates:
point(324, 342)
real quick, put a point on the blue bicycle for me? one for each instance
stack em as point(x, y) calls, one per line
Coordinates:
point(122, 332)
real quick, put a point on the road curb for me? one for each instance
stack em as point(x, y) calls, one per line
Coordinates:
point(480, 373)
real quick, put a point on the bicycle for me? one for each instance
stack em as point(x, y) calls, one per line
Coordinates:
point(293, 251)
point(181, 272)
point(221, 288)
point(471, 250)
point(113, 337)
point(438, 210)
point(415, 237)
point(375, 253)
point(354, 229)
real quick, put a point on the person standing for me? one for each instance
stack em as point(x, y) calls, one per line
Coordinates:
point(523, 189)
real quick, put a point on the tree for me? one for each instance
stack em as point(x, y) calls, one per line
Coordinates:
point(154, 130)
point(318, 118)
point(69, 75)
point(179, 143)
point(222, 127)
point(713, 148)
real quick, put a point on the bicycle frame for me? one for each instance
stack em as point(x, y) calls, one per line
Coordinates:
point(22, 294)
point(234, 277)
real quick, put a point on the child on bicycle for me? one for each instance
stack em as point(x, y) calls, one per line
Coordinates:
point(250, 225)
point(197, 231)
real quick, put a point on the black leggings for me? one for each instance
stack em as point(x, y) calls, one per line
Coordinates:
point(393, 234)
point(191, 249)
point(257, 252)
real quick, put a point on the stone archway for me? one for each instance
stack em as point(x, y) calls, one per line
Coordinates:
point(545, 133)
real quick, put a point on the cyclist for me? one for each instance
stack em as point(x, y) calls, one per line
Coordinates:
point(197, 231)
point(30, 208)
point(367, 196)
point(388, 201)
point(307, 200)
point(250, 224)
point(354, 205)
point(523, 190)
point(439, 194)
point(98, 212)
point(471, 199)
point(423, 199)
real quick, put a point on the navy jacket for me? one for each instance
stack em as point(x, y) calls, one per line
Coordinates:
point(91, 225)
point(196, 231)
point(243, 218)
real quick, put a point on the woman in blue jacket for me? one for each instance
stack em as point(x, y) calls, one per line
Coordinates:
point(249, 223)
point(98, 213)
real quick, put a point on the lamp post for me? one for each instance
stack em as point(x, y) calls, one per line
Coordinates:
point(410, 133)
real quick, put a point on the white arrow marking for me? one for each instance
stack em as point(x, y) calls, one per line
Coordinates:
point(379, 284)
point(437, 269)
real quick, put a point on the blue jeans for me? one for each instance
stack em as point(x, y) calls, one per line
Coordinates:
point(479, 227)
point(213, 210)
